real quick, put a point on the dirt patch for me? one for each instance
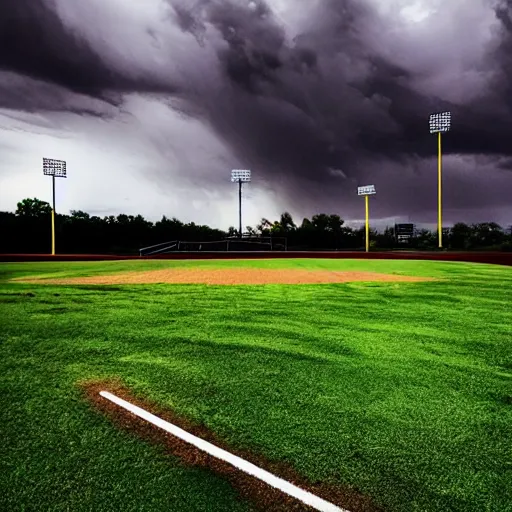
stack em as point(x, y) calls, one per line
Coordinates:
point(230, 276)
point(263, 496)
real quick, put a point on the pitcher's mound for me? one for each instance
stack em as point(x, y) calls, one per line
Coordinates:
point(232, 276)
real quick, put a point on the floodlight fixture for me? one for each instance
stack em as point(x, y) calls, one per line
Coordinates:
point(55, 169)
point(440, 123)
point(367, 191)
point(240, 176)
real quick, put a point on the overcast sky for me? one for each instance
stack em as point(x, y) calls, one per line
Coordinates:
point(153, 102)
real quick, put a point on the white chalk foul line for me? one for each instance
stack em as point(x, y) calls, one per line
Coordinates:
point(272, 480)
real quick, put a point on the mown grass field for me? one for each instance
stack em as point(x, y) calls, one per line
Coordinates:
point(403, 391)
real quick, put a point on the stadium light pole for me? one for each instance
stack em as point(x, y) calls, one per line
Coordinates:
point(55, 169)
point(440, 123)
point(367, 191)
point(240, 176)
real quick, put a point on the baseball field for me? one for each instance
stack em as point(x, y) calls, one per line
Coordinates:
point(375, 384)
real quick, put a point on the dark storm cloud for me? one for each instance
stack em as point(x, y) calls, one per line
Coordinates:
point(291, 103)
point(295, 110)
point(21, 93)
point(306, 103)
point(35, 42)
point(326, 98)
point(484, 126)
point(504, 52)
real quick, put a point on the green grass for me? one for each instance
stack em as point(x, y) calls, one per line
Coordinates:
point(403, 391)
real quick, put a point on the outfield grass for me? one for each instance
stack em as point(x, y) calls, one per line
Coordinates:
point(401, 390)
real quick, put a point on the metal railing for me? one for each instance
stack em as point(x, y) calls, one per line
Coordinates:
point(167, 246)
point(215, 246)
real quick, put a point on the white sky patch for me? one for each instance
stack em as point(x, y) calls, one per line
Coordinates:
point(337, 172)
point(416, 12)
point(290, 16)
point(409, 10)
point(445, 43)
point(137, 38)
point(151, 161)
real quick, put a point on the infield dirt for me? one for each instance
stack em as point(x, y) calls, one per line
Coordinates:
point(229, 276)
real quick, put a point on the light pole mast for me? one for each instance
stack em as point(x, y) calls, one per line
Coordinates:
point(240, 176)
point(366, 191)
point(439, 123)
point(240, 207)
point(55, 169)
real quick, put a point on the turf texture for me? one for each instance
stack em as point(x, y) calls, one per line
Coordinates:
point(400, 390)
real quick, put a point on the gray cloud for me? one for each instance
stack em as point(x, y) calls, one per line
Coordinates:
point(36, 42)
point(22, 93)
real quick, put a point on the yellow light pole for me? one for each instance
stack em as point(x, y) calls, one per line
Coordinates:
point(439, 123)
point(55, 169)
point(439, 192)
point(367, 230)
point(367, 191)
point(53, 216)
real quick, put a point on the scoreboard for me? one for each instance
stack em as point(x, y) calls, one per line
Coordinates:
point(404, 232)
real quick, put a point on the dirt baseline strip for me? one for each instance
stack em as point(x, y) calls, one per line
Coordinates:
point(263, 496)
point(230, 276)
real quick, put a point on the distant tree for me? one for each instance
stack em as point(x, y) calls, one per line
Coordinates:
point(460, 236)
point(324, 231)
point(321, 222)
point(29, 230)
point(264, 227)
point(168, 229)
point(425, 240)
point(336, 230)
point(306, 223)
point(79, 214)
point(123, 219)
point(387, 239)
point(277, 228)
point(32, 231)
point(487, 234)
point(33, 208)
point(358, 238)
point(8, 218)
point(9, 231)
point(286, 222)
point(335, 223)
point(507, 244)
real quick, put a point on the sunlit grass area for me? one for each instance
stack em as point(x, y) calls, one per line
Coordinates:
point(401, 390)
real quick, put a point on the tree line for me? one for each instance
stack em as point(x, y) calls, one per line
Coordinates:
point(28, 230)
